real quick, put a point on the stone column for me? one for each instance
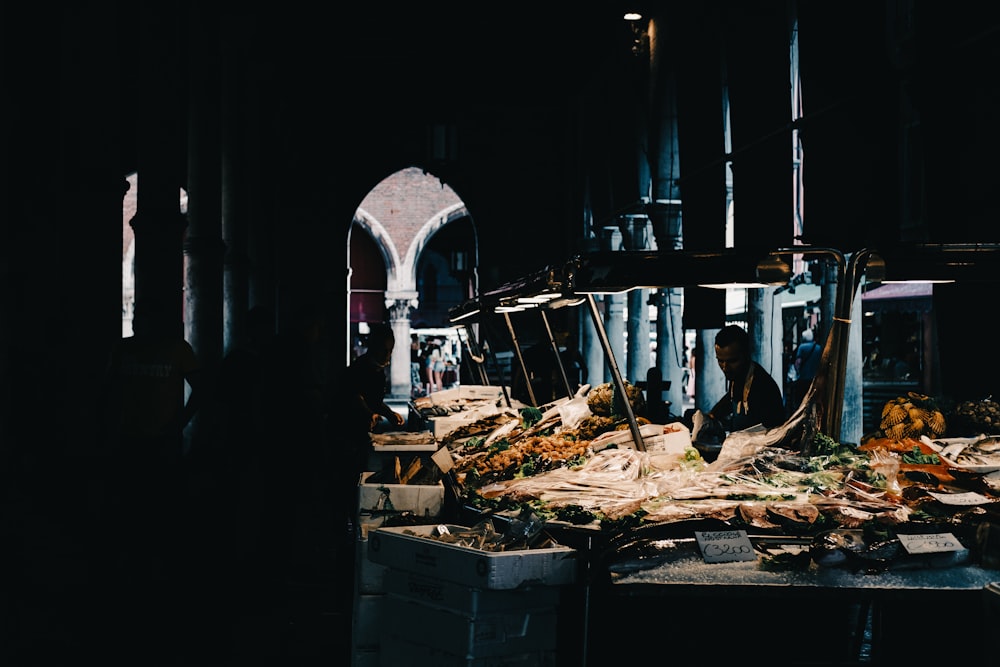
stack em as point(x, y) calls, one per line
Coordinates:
point(765, 342)
point(710, 383)
point(590, 344)
point(158, 223)
point(399, 366)
point(203, 247)
point(614, 307)
point(233, 188)
point(852, 418)
point(638, 357)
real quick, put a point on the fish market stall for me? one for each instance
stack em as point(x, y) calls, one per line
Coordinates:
point(855, 536)
point(821, 551)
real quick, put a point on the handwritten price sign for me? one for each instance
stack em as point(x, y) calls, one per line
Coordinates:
point(724, 546)
point(968, 498)
point(930, 543)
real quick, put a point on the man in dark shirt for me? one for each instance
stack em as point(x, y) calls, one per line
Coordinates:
point(366, 384)
point(752, 396)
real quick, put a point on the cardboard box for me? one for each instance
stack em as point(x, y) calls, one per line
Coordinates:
point(462, 599)
point(411, 548)
point(378, 501)
point(498, 633)
point(396, 651)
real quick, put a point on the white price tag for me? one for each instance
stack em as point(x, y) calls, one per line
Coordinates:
point(969, 498)
point(724, 546)
point(930, 543)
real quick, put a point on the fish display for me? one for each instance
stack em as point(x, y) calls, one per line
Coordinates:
point(836, 504)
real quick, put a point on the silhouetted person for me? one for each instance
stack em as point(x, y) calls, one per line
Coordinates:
point(365, 411)
point(144, 416)
point(228, 484)
point(295, 464)
point(239, 394)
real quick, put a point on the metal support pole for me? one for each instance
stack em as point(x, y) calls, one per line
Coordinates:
point(474, 354)
point(616, 375)
point(520, 359)
point(555, 351)
point(833, 409)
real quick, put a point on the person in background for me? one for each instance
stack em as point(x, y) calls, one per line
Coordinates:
point(434, 367)
point(752, 396)
point(450, 376)
point(806, 362)
point(416, 356)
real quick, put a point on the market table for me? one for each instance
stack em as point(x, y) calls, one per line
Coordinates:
point(821, 616)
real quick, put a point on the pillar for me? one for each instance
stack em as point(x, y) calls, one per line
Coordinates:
point(758, 66)
point(400, 384)
point(614, 307)
point(158, 223)
point(203, 247)
point(638, 358)
point(234, 192)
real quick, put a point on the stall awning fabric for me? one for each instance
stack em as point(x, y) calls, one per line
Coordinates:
point(899, 298)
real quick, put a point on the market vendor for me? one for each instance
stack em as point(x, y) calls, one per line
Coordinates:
point(366, 411)
point(752, 396)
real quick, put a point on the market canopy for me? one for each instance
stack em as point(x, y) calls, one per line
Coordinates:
point(899, 298)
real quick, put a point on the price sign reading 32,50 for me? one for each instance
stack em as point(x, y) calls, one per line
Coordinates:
point(724, 546)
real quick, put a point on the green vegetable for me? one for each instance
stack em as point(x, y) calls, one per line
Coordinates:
point(530, 416)
point(500, 445)
point(915, 456)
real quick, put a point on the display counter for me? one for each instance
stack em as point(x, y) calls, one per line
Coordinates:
point(738, 611)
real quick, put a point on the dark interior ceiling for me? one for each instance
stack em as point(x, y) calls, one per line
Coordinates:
point(343, 97)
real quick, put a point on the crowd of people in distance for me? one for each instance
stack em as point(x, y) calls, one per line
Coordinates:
point(434, 365)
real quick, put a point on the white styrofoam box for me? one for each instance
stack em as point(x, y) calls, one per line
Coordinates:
point(442, 426)
point(463, 393)
point(469, 403)
point(377, 501)
point(675, 439)
point(396, 651)
point(496, 633)
point(465, 599)
point(369, 576)
point(367, 627)
point(412, 548)
point(403, 441)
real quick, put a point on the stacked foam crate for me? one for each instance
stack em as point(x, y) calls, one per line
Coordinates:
point(378, 502)
point(369, 595)
point(454, 606)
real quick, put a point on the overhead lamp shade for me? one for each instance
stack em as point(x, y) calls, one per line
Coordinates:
point(875, 268)
point(943, 262)
point(544, 284)
point(613, 272)
point(464, 311)
point(773, 270)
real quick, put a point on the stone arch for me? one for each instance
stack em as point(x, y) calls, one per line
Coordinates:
point(402, 214)
point(428, 229)
point(383, 241)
